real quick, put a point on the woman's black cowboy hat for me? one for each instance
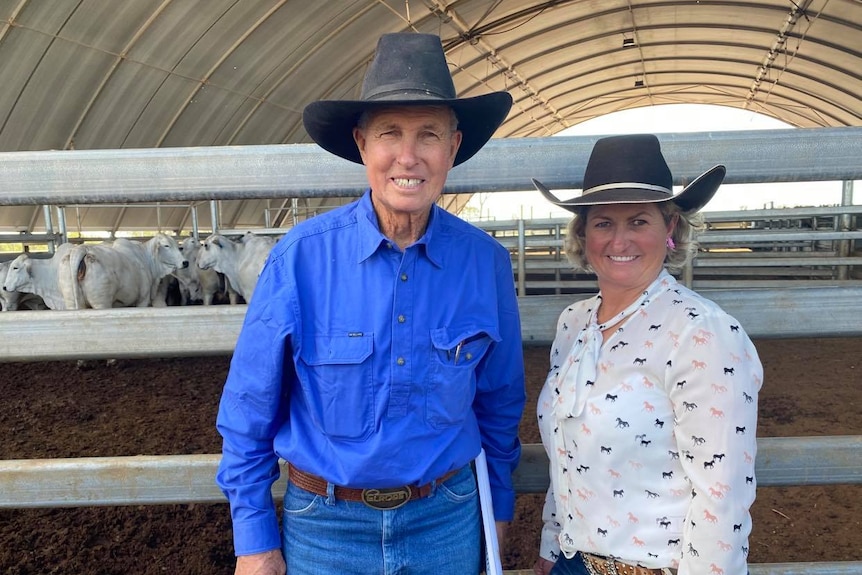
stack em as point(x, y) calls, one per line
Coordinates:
point(631, 169)
point(407, 70)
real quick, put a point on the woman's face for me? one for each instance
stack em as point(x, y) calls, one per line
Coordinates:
point(626, 244)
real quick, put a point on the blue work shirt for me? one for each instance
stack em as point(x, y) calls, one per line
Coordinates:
point(371, 366)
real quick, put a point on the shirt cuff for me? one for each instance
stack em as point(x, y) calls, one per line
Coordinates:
point(503, 502)
point(549, 547)
point(256, 536)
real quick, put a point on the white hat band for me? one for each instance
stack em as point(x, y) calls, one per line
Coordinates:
point(627, 185)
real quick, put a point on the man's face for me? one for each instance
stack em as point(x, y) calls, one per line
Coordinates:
point(407, 152)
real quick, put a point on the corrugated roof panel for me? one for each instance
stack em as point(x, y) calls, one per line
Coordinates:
point(148, 73)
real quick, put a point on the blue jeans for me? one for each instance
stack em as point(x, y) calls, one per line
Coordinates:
point(573, 566)
point(436, 535)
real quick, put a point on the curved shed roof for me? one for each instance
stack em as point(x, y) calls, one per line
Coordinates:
point(114, 74)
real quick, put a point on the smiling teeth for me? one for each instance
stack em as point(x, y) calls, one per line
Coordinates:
point(408, 182)
point(622, 258)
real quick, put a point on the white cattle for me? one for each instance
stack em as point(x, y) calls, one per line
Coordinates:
point(240, 261)
point(198, 284)
point(38, 276)
point(122, 273)
point(15, 300)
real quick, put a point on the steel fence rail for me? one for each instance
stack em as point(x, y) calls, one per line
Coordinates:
point(65, 177)
point(58, 178)
point(168, 479)
point(164, 332)
point(181, 479)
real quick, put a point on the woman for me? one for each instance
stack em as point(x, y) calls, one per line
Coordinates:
point(649, 410)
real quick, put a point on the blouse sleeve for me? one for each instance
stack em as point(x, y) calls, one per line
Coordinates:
point(549, 547)
point(714, 379)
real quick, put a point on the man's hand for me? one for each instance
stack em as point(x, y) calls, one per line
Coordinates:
point(267, 563)
point(501, 536)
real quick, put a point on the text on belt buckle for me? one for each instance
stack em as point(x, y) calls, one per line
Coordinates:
point(391, 498)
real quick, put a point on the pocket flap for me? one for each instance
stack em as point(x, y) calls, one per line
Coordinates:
point(448, 338)
point(336, 349)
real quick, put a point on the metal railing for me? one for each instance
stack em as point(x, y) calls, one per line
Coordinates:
point(177, 174)
point(815, 246)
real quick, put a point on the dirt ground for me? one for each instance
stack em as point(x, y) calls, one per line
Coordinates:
point(811, 387)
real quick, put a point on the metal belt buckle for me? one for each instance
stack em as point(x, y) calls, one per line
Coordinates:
point(391, 498)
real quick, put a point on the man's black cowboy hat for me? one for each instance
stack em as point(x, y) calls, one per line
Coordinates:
point(407, 70)
point(631, 169)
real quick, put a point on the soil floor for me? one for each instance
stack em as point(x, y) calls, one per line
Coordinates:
point(153, 407)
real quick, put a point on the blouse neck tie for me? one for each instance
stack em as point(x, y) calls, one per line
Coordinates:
point(578, 372)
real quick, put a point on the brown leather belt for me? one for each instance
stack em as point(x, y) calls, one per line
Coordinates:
point(383, 498)
point(598, 565)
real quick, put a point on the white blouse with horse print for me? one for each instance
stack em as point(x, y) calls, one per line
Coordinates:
point(651, 434)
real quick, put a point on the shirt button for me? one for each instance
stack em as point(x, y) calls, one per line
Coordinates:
point(401, 319)
point(404, 277)
point(469, 355)
point(400, 361)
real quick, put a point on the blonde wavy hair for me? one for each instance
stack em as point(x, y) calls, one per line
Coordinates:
point(684, 236)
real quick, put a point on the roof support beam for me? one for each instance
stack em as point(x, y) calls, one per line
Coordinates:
point(777, 47)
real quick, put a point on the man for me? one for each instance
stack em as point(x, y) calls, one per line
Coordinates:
point(382, 349)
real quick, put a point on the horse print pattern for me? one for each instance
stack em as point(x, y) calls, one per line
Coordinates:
point(652, 448)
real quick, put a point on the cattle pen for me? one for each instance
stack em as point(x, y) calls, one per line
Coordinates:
point(68, 178)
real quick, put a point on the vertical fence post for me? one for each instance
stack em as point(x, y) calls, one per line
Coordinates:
point(49, 229)
point(844, 224)
point(557, 251)
point(214, 216)
point(196, 234)
point(522, 256)
point(61, 224)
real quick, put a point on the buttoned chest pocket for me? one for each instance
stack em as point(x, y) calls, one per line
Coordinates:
point(455, 356)
point(336, 374)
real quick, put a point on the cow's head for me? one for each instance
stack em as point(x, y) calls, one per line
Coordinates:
point(167, 253)
point(210, 252)
point(19, 274)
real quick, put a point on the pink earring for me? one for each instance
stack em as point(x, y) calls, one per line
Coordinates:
point(670, 243)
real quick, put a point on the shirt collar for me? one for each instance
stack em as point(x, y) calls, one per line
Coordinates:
point(370, 237)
